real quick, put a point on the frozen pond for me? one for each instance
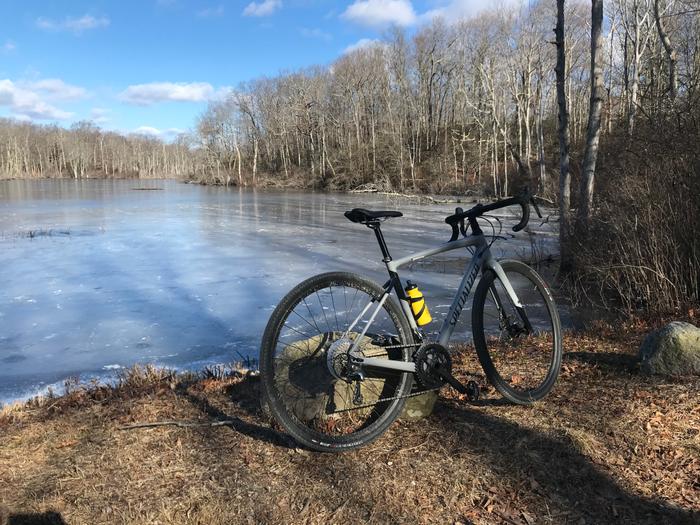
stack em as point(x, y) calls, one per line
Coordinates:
point(99, 275)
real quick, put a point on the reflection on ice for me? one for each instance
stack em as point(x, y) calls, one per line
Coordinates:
point(187, 276)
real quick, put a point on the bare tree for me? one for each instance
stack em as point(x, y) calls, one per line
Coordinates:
point(590, 155)
point(563, 120)
point(670, 52)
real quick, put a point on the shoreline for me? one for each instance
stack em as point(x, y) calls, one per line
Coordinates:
point(269, 183)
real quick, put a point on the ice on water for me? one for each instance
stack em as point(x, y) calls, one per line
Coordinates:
point(187, 276)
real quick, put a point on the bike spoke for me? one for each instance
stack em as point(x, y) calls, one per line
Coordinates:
point(335, 312)
point(312, 316)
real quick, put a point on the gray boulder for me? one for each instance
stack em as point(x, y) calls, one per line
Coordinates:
point(672, 350)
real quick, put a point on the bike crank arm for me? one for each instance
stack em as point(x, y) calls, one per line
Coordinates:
point(471, 389)
point(451, 380)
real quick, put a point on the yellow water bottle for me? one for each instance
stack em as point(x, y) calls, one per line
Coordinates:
point(418, 306)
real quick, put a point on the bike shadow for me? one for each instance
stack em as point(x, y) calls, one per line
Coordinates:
point(553, 468)
point(44, 518)
point(242, 395)
point(497, 402)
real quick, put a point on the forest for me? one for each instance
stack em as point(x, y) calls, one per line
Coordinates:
point(553, 95)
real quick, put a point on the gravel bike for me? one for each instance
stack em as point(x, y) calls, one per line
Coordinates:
point(340, 355)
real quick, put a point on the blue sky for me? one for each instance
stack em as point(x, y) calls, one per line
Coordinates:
point(152, 65)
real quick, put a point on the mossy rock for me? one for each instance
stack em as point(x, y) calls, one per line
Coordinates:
point(672, 350)
point(309, 388)
point(419, 407)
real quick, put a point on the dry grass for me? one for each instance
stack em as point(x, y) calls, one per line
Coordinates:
point(608, 445)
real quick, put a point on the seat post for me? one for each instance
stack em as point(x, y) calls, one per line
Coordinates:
point(380, 239)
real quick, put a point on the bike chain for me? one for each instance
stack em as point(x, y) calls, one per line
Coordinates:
point(385, 399)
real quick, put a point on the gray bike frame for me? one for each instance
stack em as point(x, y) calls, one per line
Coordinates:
point(481, 260)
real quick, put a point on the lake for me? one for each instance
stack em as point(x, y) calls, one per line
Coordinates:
point(98, 275)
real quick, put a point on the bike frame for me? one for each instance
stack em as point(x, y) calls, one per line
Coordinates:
point(481, 260)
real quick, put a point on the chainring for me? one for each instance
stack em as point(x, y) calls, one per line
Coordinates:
point(428, 358)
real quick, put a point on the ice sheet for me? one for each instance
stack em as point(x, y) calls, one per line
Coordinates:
point(97, 275)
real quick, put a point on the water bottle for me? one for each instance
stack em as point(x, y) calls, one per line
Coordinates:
point(418, 306)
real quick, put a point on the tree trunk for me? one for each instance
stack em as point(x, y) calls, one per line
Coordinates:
point(670, 52)
point(564, 174)
point(596, 103)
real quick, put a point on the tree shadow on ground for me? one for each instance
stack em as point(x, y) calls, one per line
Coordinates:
point(44, 518)
point(608, 361)
point(571, 486)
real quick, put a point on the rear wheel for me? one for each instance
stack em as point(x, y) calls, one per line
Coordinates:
point(519, 349)
point(305, 375)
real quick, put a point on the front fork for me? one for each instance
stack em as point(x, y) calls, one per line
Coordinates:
point(504, 318)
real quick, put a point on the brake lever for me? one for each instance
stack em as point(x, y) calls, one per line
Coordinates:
point(462, 228)
point(457, 225)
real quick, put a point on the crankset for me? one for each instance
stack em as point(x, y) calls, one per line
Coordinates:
point(434, 369)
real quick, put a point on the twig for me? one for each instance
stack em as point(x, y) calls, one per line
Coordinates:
point(181, 424)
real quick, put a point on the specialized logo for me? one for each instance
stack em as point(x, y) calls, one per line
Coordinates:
point(462, 299)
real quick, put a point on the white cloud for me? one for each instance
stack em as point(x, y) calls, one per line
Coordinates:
point(148, 94)
point(28, 104)
point(381, 13)
point(73, 24)
point(100, 115)
point(147, 130)
point(8, 47)
point(57, 89)
point(165, 134)
point(211, 12)
point(315, 33)
point(462, 9)
point(264, 8)
point(363, 43)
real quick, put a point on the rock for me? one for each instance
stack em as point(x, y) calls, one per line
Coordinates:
point(311, 392)
point(672, 350)
point(419, 407)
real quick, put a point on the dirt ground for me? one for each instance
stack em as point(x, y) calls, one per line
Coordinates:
point(608, 445)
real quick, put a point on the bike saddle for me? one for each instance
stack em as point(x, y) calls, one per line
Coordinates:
point(362, 215)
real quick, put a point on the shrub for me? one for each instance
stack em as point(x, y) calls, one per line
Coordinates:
point(642, 247)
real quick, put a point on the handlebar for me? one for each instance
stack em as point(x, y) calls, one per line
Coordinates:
point(523, 199)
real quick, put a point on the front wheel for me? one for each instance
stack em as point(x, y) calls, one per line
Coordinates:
point(519, 347)
point(306, 379)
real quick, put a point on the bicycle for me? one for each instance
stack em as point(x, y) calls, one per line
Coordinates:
point(339, 356)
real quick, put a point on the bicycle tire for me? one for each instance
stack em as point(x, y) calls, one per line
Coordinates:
point(282, 404)
point(496, 377)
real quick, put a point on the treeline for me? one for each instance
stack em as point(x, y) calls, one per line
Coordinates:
point(450, 107)
point(85, 151)
point(456, 106)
